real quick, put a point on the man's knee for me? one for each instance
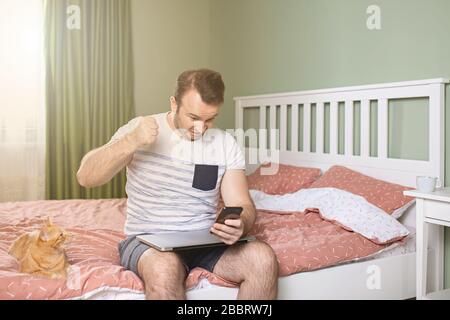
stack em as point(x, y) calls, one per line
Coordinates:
point(161, 269)
point(262, 258)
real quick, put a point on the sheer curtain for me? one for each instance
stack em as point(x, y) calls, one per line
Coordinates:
point(22, 112)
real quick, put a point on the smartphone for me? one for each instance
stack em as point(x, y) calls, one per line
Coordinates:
point(229, 213)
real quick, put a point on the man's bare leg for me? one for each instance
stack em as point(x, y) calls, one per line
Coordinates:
point(253, 265)
point(164, 275)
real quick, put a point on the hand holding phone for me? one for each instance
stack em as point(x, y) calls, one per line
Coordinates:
point(234, 230)
point(229, 213)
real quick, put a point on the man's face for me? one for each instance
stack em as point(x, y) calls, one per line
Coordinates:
point(193, 117)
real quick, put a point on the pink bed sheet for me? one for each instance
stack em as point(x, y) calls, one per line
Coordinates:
point(301, 241)
point(304, 241)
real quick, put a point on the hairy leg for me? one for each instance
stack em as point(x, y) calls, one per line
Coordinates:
point(164, 275)
point(253, 265)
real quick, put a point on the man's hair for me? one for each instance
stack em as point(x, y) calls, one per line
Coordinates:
point(208, 83)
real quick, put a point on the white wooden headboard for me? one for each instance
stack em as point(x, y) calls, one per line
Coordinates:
point(402, 171)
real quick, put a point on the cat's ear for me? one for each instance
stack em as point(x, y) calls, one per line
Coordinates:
point(49, 222)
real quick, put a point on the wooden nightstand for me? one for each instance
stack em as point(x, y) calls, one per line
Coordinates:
point(431, 209)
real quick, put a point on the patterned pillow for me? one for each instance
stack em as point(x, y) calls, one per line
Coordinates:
point(287, 179)
point(385, 195)
point(351, 212)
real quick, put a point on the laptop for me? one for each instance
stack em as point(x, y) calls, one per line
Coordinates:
point(175, 241)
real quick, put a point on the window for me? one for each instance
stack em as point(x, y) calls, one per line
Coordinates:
point(22, 112)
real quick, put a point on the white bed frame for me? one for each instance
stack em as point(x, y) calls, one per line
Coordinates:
point(357, 280)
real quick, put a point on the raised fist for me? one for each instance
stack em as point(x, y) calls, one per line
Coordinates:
point(145, 132)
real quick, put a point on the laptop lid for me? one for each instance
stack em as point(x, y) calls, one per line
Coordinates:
point(185, 240)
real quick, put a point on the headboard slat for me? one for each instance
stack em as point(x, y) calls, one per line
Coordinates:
point(320, 117)
point(307, 127)
point(294, 127)
point(283, 127)
point(334, 129)
point(348, 128)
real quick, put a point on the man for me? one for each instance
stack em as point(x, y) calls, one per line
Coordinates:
point(176, 166)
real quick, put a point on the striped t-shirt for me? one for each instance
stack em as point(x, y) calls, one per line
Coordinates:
point(174, 184)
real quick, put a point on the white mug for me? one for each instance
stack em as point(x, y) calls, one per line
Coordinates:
point(426, 184)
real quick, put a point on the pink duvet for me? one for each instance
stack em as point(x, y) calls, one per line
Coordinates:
point(302, 242)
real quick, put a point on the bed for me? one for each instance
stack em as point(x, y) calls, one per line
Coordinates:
point(383, 272)
point(398, 271)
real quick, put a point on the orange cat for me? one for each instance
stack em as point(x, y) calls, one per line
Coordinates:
point(40, 252)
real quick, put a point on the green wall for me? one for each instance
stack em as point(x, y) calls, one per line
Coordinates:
point(169, 36)
point(267, 46)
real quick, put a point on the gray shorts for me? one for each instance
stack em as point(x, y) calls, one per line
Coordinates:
point(131, 249)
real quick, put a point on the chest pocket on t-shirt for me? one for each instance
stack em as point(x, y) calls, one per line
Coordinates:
point(205, 177)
